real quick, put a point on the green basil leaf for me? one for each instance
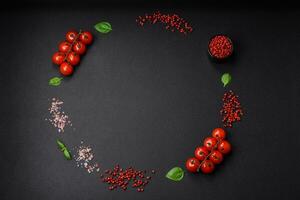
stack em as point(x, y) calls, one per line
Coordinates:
point(61, 145)
point(67, 154)
point(55, 81)
point(175, 174)
point(64, 149)
point(226, 79)
point(103, 27)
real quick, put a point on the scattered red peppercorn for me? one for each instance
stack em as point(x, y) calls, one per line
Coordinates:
point(231, 110)
point(220, 47)
point(119, 178)
point(172, 22)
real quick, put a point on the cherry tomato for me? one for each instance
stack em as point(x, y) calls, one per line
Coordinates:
point(219, 133)
point(64, 47)
point(210, 143)
point(79, 48)
point(73, 58)
point(58, 58)
point(201, 153)
point(207, 167)
point(224, 147)
point(192, 165)
point(71, 36)
point(216, 157)
point(66, 69)
point(86, 37)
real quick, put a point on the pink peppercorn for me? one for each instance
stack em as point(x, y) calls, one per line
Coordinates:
point(220, 47)
point(122, 178)
point(171, 22)
point(231, 110)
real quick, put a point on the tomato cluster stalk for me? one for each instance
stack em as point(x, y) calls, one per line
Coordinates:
point(70, 50)
point(210, 154)
point(207, 157)
point(72, 44)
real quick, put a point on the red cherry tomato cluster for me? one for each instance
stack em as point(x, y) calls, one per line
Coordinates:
point(70, 51)
point(210, 154)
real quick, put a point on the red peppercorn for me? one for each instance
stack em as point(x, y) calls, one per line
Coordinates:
point(220, 47)
point(118, 177)
point(231, 110)
point(169, 20)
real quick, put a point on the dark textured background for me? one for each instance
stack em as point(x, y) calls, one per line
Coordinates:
point(145, 97)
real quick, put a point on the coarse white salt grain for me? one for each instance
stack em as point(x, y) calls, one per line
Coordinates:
point(84, 159)
point(58, 117)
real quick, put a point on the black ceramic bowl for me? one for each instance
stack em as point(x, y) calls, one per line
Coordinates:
point(218, 59)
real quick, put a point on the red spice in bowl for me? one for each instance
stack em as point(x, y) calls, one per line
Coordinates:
point(220, 47)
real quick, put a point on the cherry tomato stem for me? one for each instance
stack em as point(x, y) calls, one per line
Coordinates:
point(210, 153)
point(71, 49)
point(72, 44)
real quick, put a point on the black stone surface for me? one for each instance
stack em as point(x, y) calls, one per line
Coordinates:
point(146, 97)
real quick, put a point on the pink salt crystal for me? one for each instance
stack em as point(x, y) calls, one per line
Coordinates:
point(84, 159)
point(58, 117)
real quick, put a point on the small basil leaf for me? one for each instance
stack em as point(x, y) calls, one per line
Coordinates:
point(103, 27)
point(175, 174)
point(226, 79)
point(61, 145)
point(55, 81)
point(67, 154)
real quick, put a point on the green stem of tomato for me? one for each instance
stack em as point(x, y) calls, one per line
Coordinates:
point(208, 155)
point(76, 38)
